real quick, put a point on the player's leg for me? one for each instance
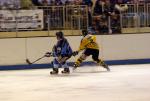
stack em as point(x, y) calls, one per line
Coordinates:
point(66, 68)
point(56, 66)
point(84, 55)
point(95, 55)
point(79, 60)
point(64, 65)
point(102, 63)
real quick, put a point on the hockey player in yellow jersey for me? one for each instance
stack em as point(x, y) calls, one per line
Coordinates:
point(89, 46)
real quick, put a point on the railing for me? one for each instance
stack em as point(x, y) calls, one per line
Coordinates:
point(72, 17)
point(129, 17)
point(148, 16)
point(78, 16)
point(137, 18)
point(75, 17)
point(65, 17)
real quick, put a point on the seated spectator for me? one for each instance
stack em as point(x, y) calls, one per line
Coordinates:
point(36, 2)
point(77, 2)
point(41, 2)
point(45, 3)
point(102, 11)
point(58, 2)
point(68, 2)
point(10, 4)
point(113, 2)
point(100, 20)
point(89, 3)
point(98, 8)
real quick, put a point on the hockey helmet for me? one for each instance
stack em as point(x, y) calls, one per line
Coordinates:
point(60, 34)
point(84, 32)
point(91, 30)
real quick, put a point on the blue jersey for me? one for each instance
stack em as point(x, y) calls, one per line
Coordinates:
point(62, 48)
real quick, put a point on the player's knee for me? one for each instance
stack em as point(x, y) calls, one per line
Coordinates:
point(55, 63)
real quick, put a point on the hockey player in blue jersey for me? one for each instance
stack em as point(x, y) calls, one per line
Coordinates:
point(62, 52)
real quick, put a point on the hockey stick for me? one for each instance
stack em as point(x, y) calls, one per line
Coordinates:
point(48, 54)
point(28, 61)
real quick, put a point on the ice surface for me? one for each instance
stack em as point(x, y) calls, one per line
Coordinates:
point(123, 83)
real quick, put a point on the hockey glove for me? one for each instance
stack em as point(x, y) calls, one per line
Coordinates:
point(75, 53)
point(48, 54)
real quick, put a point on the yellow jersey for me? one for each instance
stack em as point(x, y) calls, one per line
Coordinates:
point(89, 41)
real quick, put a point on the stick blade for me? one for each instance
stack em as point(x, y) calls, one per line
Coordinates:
point(27, 60)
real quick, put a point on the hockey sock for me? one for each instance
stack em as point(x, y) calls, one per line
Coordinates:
point(78, 62)
point(66, 70)
point(102, 63)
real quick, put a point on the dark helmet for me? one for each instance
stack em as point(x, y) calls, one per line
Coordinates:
point(84, 32)
point(60, 34)
point(91, 30)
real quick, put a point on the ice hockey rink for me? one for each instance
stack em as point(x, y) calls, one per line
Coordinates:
point(123, 83)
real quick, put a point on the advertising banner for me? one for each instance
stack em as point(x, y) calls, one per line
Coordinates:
point(21, 20)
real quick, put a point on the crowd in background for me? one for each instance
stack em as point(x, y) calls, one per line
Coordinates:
point(28, 3)
point(99, 12)
point(21, 3)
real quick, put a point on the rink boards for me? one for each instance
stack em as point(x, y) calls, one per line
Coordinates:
point(114, 49)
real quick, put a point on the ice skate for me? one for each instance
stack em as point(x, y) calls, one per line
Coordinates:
point(106, 67)
point(75, 66)
point(103, 64)
point(55, 71)
point(66, 71)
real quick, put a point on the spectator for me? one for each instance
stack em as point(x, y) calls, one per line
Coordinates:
point(11, 4)
point(113, 2)
point(102, 11)
point(58, 2)
point(43, 2)
point(89, 3)
point(100, 20)
point(67, 2)
point(77, 2)
point(36, 2)
point(98, 8)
